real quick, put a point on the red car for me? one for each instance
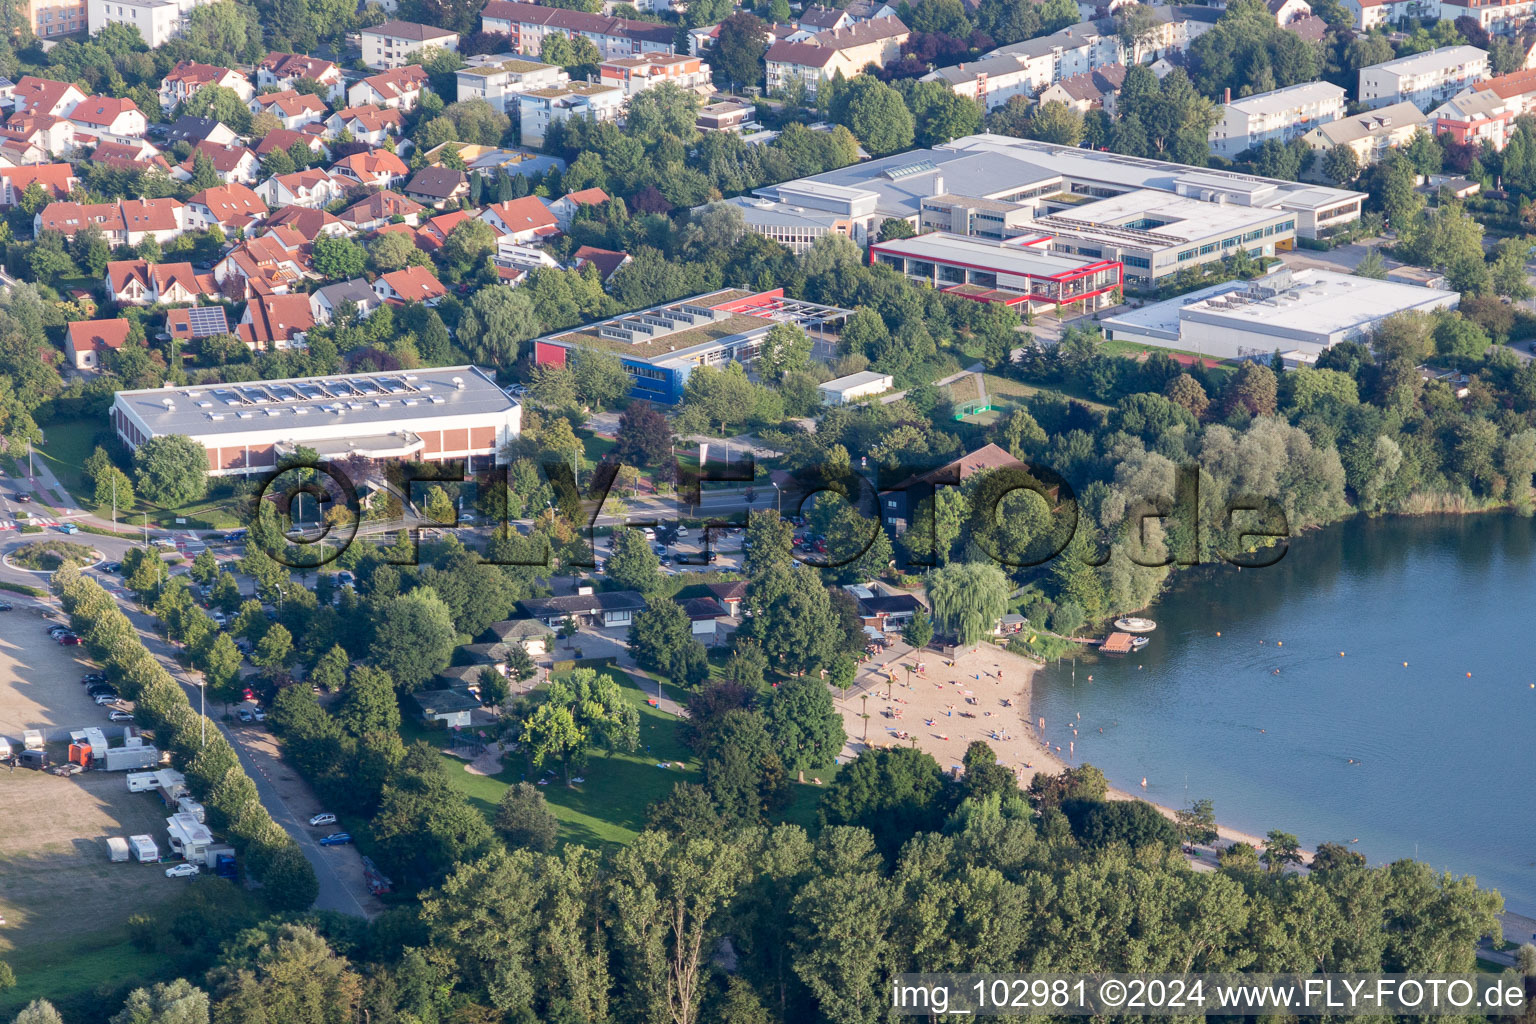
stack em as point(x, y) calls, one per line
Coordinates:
point(248, 693)
point(70, 640)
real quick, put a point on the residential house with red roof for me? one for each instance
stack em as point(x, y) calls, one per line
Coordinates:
point(284, 70)
point(293, 109)
point(109, 118)
point(381, 208)
point(435, 230)
point(311, 189)
point(309, 223)
point(398, 88)
point(140, 283)
point(524, 220)
point(188, 77)
point(56, 179)
point(125, 222)
point(233, 163)
point(413, 284)
point(284, 138)
point(45, 96)
point(133, 155)
point(49, 135)
point(231, 207)
point(273, 263)
point(566, 206)
point(607, 261)
point(87, 342)
point(366, 124)
point(181, 325)
point(275, 322)
point(378, 168)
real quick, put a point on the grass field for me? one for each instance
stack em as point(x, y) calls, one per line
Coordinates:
point(608, 809)
point(69, 443)
point(1008, 390)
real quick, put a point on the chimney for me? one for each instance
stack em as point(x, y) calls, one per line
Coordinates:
point(1227, 95)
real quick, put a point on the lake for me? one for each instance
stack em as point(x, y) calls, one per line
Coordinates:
point(1445, 763)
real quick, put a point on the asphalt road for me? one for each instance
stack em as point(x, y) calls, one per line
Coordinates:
point(335, 892)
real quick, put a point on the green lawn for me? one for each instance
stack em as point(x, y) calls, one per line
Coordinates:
point(95, 963)
point(69, 443)
point(1006, 388)
point(608, 809)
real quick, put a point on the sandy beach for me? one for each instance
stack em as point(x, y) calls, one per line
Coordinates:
point(985, 694)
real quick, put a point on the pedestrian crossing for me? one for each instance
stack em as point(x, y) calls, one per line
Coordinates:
point(12, 524)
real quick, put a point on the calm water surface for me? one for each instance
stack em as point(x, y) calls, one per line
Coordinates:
point(1446, 762)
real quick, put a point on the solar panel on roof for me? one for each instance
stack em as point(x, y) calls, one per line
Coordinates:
point(207, 321)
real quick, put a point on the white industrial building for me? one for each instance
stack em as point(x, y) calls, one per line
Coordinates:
point(449, 412)
point(1423, 79)
point(1027, 178)
point(1280, 115)
point(855, 386)
point(1302, 312)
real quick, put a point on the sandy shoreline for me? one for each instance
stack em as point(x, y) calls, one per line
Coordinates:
point(985, 694)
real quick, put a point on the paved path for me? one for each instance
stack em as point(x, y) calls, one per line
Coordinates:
point(258, 753)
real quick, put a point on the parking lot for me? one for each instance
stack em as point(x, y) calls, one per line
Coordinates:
point(61, 899)
point(40, 679)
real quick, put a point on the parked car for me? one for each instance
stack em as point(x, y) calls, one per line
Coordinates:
point(113, 567)
point(56, 629)
point(682, 531)
point(337, 839)
point(219, 618)
point(6, 606)
point(323, 818)
point(92, 678)
point(182, 871)
point(65, 771)
point(70, 640)
point(258, 714)
point(119, 716)
point(244, 715)
point(248, 693)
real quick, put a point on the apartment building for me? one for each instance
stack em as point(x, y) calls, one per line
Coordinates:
point(1476, 116)
point(52, 18)
point(540, 108)
point(636, 74)
point(391, 44)
point(158, 21)
point(527, 25)
point(1280, 115)
point(1498, 17)
point(1423, 79)
point(498, 82)
point(826, 54)
point(1372, 133)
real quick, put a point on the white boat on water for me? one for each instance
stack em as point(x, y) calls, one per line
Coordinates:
point(1132, 624)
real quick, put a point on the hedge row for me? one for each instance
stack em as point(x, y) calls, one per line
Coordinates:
point(212, 768)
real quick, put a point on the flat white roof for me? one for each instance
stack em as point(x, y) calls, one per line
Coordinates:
point(1180, 218)
point(1431, 60)
point(356, 400)
point(857, 380)
point(980, 253)
point(1281, 100)
point(1319, 302)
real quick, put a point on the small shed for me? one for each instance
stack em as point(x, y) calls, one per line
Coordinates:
point(530, 634)
point(117, 849)
point(704, 613)
point(855, 386)
point(454, 708)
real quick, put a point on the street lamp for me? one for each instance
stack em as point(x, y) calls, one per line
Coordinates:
point(779, 495)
